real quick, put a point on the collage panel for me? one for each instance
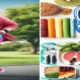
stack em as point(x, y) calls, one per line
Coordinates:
point(19, 39)
point(59, 21)
point(59, 59)
point(59, 39)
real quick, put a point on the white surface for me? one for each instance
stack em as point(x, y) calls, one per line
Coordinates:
point(57, 40)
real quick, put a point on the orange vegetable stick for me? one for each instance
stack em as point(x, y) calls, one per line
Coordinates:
point(51, 28)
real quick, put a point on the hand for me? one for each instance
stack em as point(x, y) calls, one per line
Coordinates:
point(2, 32)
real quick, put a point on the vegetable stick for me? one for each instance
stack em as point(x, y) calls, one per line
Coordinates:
point(51, 28)
point(59, 27)
point(44, 28)
point(66, 27)
point(72, 28)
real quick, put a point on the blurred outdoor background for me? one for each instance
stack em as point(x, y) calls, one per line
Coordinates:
point(26, 49)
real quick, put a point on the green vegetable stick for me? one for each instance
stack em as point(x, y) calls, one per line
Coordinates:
point(66, 28)
point(72, 28)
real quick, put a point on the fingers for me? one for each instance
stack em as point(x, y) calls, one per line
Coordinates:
point(2, 32)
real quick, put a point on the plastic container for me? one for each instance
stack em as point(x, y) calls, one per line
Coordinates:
point(60, 72)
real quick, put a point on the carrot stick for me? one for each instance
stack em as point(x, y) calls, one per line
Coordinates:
point(51, 28)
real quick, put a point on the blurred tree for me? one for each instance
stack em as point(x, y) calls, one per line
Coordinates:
point(27, 18)
point(15, 46)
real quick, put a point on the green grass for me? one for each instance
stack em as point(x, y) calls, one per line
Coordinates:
point(18, 58)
